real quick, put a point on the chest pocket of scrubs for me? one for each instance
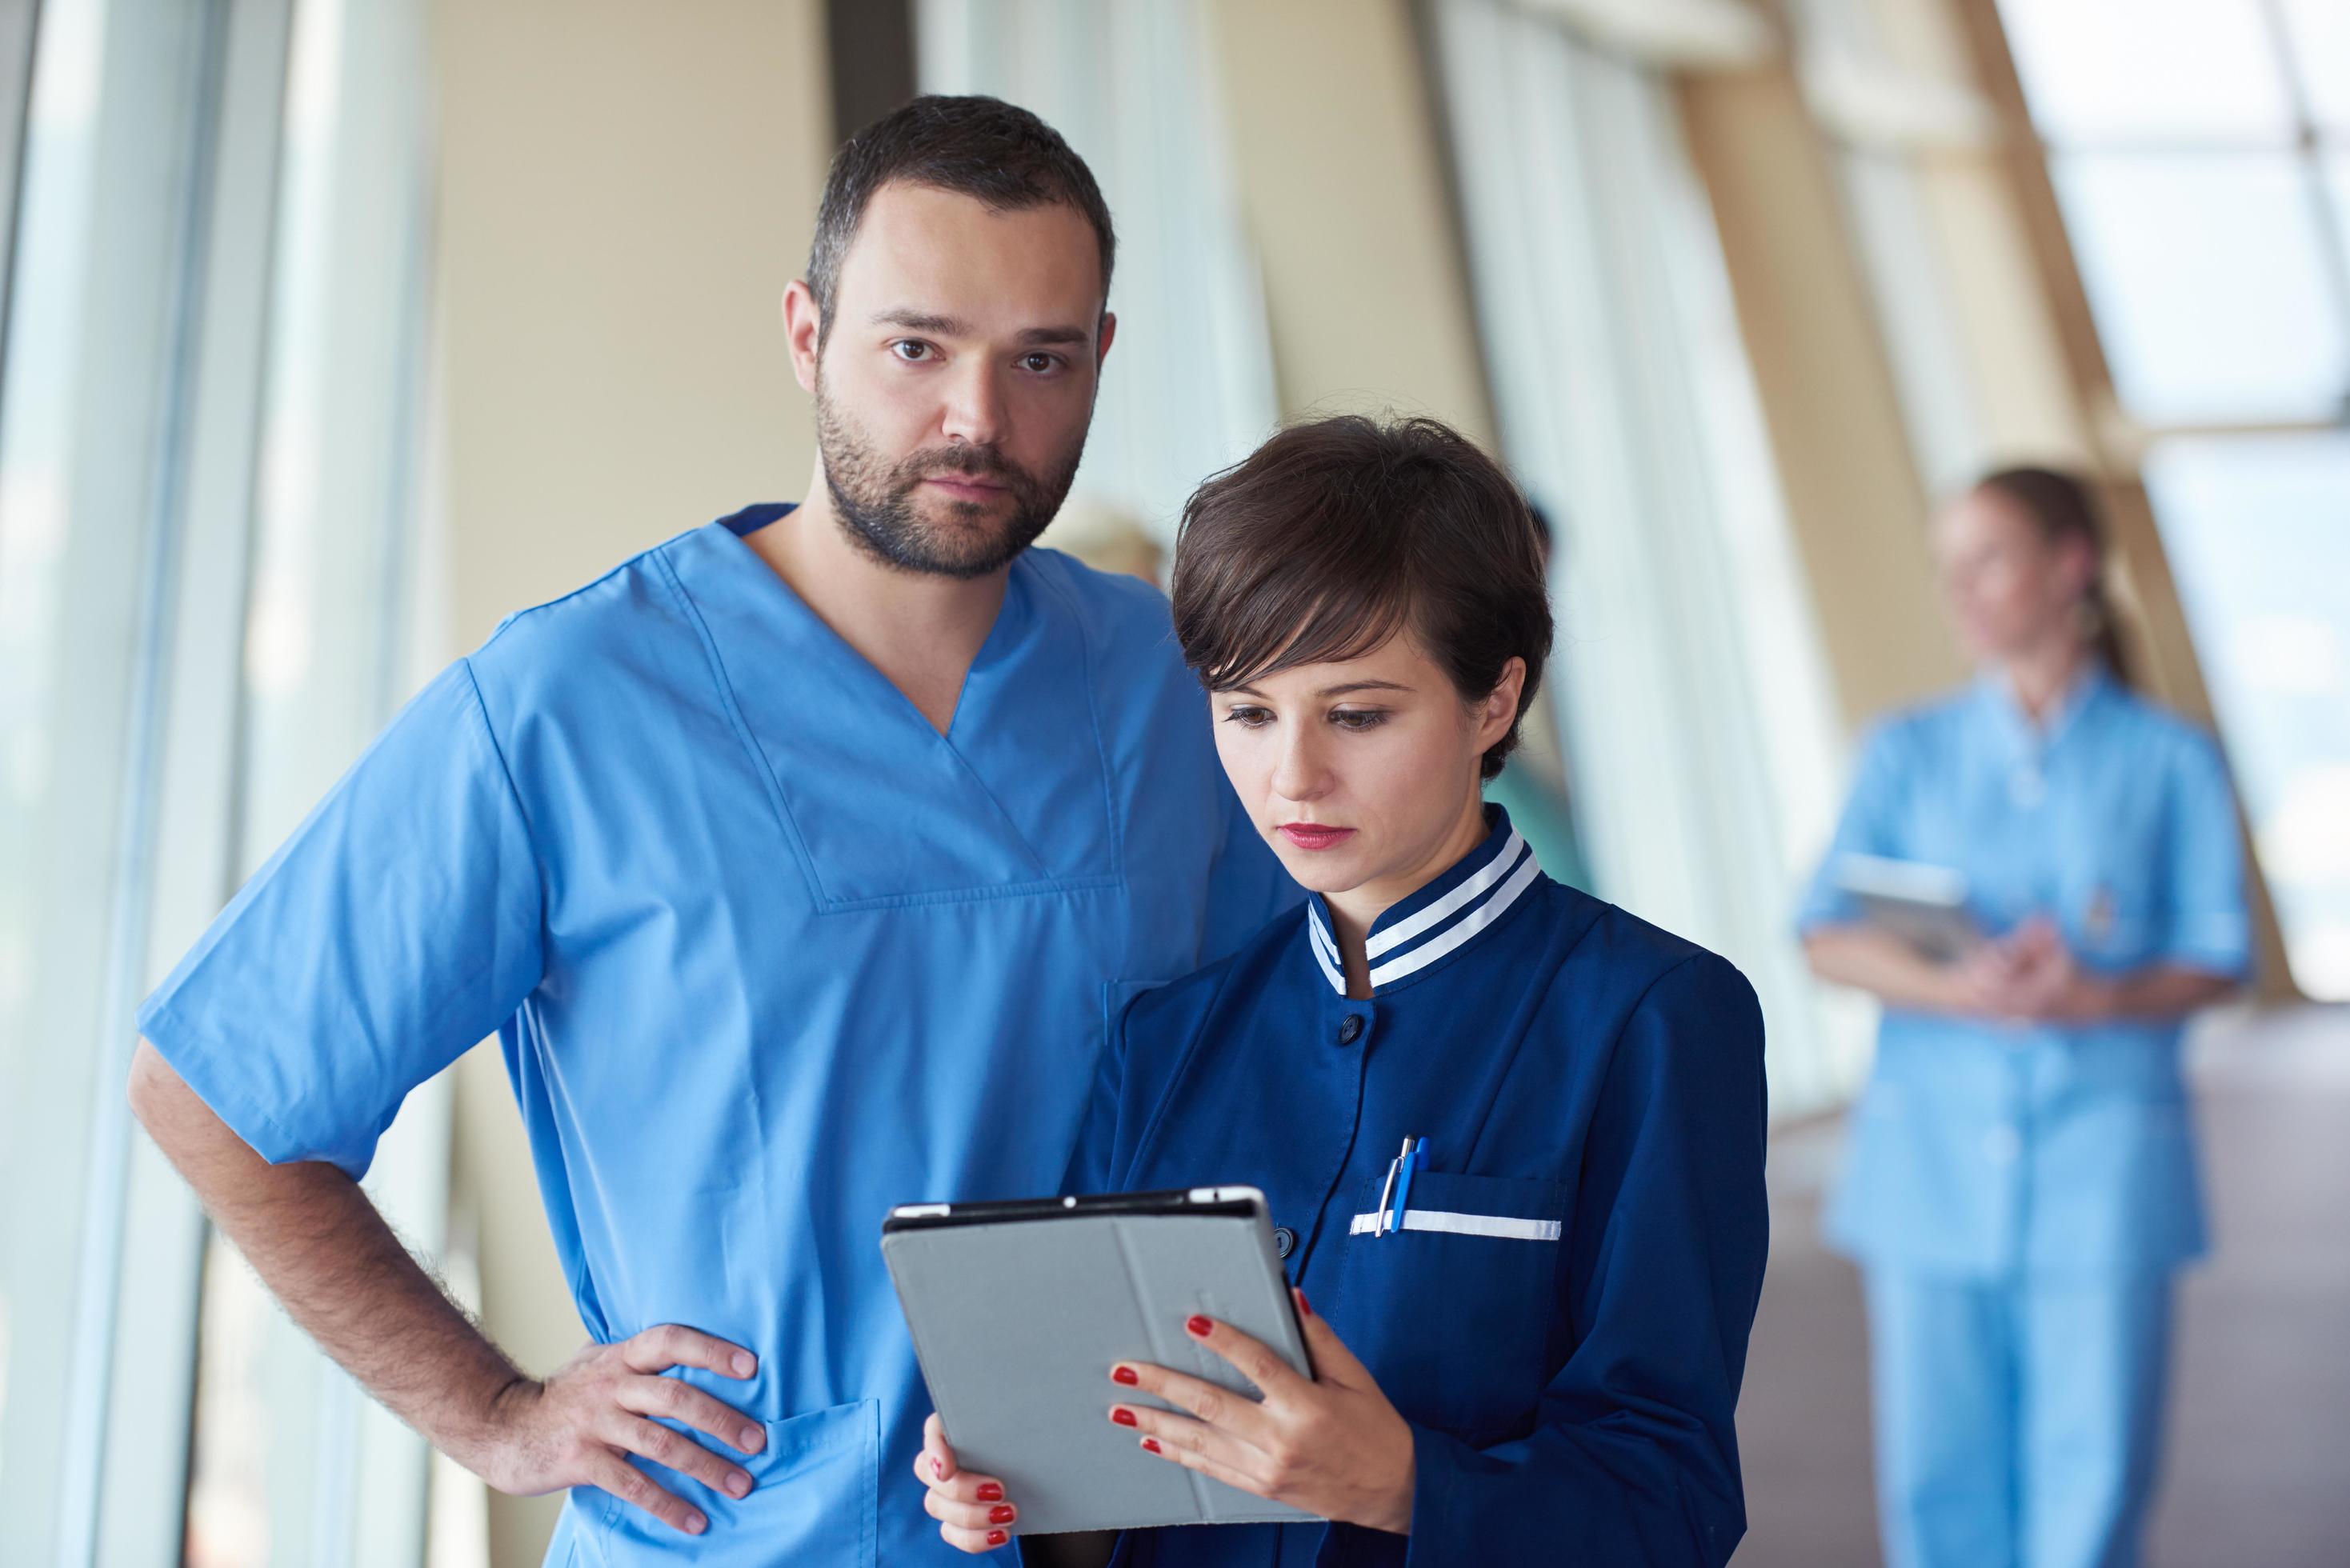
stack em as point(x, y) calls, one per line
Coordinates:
point(814, 1499)
point(1452, 1313)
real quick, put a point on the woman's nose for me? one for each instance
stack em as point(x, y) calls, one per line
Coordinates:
point(1300, 773)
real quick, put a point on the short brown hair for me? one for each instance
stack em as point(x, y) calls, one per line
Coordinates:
point(995, 152)
point(1333, 536)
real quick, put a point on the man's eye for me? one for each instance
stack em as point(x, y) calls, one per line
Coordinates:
point(1040, 363)
point(910, 350)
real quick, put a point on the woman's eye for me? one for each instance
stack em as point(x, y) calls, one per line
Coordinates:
point(1248, 718)
point(1359, 718)
point(910, 350)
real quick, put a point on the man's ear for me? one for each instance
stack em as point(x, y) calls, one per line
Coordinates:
point(802, 332)
point(1102, 339)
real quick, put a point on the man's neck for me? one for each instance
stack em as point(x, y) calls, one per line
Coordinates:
point(919, 630)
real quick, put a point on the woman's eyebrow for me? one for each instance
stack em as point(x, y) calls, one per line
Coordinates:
point(1362, 686)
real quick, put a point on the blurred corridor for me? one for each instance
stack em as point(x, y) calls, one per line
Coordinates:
point(2254, 1460)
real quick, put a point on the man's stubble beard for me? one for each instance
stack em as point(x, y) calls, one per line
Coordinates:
point(876, 501)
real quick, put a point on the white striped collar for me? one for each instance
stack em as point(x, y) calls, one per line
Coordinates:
point(1440, 918)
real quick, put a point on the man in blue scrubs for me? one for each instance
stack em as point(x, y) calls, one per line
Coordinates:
point(797, 864)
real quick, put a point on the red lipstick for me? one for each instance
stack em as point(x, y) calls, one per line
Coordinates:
point(1316, 834)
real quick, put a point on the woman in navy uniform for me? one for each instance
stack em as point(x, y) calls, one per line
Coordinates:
point(1531, 1353)
point(2021, 1185)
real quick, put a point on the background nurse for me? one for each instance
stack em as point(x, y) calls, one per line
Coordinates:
point(2022, 1184)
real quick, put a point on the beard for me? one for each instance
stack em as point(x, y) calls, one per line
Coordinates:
point(878, 502)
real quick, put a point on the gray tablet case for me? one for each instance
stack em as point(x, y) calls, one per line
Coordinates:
point(1924, 905)
point(1018, 1320)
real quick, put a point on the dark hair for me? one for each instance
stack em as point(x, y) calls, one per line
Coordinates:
point(2063, 508)
point(1332, 535)
point(984, 147)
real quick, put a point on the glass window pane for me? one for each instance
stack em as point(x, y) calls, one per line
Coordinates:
point(2319, 46)
point(2211, 283)
point(2255, 529)
point(2170, 69)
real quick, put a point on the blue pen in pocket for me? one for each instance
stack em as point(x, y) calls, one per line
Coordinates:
point(1414, 1155)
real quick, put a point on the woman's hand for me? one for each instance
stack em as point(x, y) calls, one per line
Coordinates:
point(1333, 1447)
point(970, 1510)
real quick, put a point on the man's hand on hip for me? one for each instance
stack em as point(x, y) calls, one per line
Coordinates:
point(577, 1427)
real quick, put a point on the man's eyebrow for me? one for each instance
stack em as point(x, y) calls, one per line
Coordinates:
point(921, 321)
point(955, 327)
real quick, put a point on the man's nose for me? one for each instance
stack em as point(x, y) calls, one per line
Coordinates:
point(975, 410)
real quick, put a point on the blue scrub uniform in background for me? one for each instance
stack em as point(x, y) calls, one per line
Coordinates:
point(766, 954)
point(1562, 1318)
point(2020, 1196)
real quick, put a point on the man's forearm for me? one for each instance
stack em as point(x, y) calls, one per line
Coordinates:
point(324, 1251)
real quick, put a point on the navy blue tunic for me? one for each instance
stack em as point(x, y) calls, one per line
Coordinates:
point(1564, 1317)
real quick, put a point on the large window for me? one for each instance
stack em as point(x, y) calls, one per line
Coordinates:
point(205, 450)
point(1689, 684)
point(2201, 152)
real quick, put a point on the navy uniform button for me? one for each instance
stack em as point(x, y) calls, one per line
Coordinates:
point(1351, 1030)
point(1283, 1240)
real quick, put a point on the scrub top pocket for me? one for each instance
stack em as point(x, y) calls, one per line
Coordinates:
point(1455, 1308)
point(814, 1494)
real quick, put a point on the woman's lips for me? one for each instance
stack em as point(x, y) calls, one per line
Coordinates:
point(1314, 836)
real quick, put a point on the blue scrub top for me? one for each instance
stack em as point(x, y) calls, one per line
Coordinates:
point(1564, 1318)
point(1980, 1149)
point(766, 954)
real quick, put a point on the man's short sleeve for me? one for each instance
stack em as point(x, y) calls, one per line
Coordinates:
point(1868, 827)
point(399, 926)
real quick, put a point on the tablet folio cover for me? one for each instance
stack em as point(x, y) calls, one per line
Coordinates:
point(1017, 1324)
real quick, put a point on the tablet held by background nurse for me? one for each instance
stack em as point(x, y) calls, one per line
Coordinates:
point(796, 864)
point(1511, 1137)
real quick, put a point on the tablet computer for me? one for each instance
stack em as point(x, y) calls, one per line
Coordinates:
point(1924, 905)
point(1019, 1309)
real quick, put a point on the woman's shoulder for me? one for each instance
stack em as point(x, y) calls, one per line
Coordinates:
point(1258, 962)
point(1620, 965)
point(2162, 729)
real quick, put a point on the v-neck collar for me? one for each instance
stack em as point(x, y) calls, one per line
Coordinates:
point(2034, 738)
point(1012, 617)
point(1013, 797)
point(1441, 917)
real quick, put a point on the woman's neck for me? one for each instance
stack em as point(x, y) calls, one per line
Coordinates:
point(1357, 908)
point(2040, 676)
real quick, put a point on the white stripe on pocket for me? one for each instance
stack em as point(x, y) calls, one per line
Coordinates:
point(1499, 1225)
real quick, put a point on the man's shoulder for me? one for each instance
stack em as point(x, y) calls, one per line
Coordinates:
point(629, 629)
point(1123, 616)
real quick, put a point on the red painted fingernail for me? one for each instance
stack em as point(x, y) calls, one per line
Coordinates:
point(1199, 1325)
point(1000, 1515)
point(1122, 1416)
point(938, 1467)
point(989, 1491)
point(1125, 1375)
point(1150, 1443)
point(1303, 1305)
point(996, 1538)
